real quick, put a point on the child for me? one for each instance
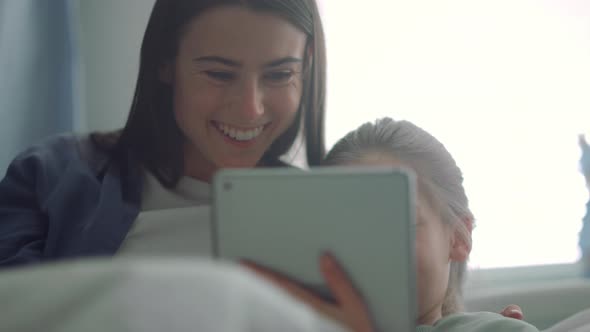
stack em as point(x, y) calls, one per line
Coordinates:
point(444, 220)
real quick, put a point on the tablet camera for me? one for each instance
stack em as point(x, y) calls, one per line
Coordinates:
point(227, 186)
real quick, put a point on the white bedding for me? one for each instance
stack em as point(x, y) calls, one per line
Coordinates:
point(124, 296)
point(149, 296)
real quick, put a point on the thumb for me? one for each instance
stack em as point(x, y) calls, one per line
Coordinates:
point(513, 311)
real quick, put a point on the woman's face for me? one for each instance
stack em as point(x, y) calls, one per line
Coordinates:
point(436, 246)
point(237, 85)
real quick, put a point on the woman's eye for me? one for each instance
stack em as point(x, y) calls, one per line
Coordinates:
point(223, 76)
point(278, 77)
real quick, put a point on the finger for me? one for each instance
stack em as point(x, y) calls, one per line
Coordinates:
point(339, 282)
point(295, 290)
point(346, 293)
point(513, 311)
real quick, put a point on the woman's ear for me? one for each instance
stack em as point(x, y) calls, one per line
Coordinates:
point(165, 73)
point(461, 240)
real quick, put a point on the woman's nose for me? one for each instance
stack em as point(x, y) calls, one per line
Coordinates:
point(250, 102)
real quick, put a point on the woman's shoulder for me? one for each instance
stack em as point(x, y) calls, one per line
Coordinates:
point(479, 322)
point(55, 153)
point(64, 158)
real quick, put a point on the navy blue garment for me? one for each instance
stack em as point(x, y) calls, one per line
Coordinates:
point(64, 199)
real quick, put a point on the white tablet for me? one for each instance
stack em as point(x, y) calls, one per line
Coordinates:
point(286, 218)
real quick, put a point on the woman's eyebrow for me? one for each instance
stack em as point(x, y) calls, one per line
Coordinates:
point(218, 59)
point(283, 61)
point(234, 63)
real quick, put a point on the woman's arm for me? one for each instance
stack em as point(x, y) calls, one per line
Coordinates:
point(24, 194)
point(23, 226)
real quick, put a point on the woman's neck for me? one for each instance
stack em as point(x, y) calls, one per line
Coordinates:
point(197, 167)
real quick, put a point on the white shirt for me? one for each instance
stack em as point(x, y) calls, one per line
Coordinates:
point(172, 222)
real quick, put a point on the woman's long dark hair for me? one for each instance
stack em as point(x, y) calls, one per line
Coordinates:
point(151, 135)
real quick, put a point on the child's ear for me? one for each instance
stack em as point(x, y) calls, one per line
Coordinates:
point(165, 73)
point(461, 240)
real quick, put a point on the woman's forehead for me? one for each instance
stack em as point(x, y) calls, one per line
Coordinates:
point(242, 33)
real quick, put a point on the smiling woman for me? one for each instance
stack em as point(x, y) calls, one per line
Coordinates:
point(231, 89)
point(237, 86)
point(221, 84)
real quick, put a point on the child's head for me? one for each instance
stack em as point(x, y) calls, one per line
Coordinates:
point(444, 221)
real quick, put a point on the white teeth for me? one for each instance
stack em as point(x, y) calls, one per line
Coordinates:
point(238, 134)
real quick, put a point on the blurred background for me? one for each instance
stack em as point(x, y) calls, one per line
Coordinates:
point(503, 84)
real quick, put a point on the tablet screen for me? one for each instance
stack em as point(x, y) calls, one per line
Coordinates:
point(285, 219)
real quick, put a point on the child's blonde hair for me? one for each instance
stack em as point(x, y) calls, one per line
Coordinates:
point(439, 178)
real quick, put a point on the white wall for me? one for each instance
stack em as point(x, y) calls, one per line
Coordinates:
point(110, 37)
point(503, 84)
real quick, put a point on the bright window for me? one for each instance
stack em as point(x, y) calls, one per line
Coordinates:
point(505, 85)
